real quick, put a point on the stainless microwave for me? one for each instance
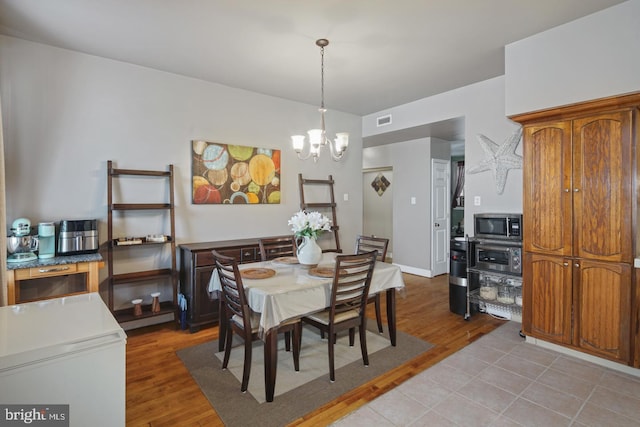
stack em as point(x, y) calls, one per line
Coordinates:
point(497, 226)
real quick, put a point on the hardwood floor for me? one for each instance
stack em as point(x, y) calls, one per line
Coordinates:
point(160, 391)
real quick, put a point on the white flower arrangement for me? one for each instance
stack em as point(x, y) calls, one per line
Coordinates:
point(310, 224)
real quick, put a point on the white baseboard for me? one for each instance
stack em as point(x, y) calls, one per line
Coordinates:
point(587, 357)
point(412, 270)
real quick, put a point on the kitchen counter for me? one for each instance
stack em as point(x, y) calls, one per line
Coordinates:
point(58, 260)
point(50, 277)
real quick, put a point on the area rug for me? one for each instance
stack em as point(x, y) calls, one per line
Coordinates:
point(297, 393)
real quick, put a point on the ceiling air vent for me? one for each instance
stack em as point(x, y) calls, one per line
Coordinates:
point(383, 120)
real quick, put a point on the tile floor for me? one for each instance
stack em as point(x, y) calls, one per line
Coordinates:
point(499, 380)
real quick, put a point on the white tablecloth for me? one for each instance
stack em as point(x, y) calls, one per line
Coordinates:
point(293, 292)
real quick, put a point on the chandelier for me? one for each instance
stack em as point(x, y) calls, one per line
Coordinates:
point(318, 137)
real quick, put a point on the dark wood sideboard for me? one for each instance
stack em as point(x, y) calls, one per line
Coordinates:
point(196, 267)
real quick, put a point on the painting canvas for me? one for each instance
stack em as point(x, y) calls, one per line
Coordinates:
point(234, 174)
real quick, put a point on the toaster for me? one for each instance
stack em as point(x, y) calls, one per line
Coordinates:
point(78, 237)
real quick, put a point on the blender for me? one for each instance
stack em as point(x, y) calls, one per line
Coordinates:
point(21, 244)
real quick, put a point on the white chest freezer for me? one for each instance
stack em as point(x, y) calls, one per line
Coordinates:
point(64, 351)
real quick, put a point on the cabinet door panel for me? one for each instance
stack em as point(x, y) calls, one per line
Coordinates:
point(546, 195)
point(603, 164)
point(603, 308)
point(206, 308)
point(547, 298)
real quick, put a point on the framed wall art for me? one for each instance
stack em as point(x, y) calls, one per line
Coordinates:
point(234, 174)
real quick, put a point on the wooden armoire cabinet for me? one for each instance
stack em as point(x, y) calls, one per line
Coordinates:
point(579, 203)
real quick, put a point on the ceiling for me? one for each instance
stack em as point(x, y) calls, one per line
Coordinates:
point(382, 53)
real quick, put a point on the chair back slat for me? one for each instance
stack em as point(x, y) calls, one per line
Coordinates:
point(371, 243)
point(233, 295)
point(351, 282)
point(275, 247)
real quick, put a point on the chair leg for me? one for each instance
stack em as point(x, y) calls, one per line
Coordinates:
point(352, 336)
point(246, 368)
point(332, 372)
point(297, 332)
point(363, 344)
point(378, 313)
point(227, 347)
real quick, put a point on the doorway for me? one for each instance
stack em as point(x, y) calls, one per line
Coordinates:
point(377, 204)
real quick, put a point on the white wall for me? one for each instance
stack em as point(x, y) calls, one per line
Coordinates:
point(593, 57)
point(66, 113)
point(411, 165)
point(482, 106)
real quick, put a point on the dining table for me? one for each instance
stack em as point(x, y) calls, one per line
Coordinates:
point(291, 290)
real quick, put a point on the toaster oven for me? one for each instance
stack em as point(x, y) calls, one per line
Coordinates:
point(78, 237)
point(498, 257)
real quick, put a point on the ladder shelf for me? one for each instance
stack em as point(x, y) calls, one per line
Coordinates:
point(124, 246)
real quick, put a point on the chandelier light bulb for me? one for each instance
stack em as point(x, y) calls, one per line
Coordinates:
point(298, 143)
point(342, 141)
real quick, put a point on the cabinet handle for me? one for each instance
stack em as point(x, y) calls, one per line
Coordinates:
point(575, 190)
point(566, 190)
point(576, 265)
point(49, 270)
point(566, 264)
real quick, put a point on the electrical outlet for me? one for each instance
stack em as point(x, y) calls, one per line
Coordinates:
point(346, 197)
point(476, 201)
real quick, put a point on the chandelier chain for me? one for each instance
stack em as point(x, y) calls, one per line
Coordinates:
point(322, 77)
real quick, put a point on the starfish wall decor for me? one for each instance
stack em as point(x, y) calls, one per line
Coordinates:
point(499, 158)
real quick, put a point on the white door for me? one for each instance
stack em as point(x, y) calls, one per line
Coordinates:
point(440, 205)
point(377, 205)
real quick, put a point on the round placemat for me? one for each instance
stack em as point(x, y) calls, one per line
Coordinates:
point(322, 271)
point(286, 260)
point(257, 273)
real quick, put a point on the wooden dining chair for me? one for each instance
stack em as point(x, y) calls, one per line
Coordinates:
point(275, 247)
point(240, 319)
point(349, 292)
point(380, 245)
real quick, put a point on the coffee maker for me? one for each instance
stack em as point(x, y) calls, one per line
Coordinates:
point(21, 244)
point(46, 240)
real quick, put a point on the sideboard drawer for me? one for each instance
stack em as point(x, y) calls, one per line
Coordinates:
point(204, 258)
point(242, 255)
point(249, 255)
point(233, 252)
